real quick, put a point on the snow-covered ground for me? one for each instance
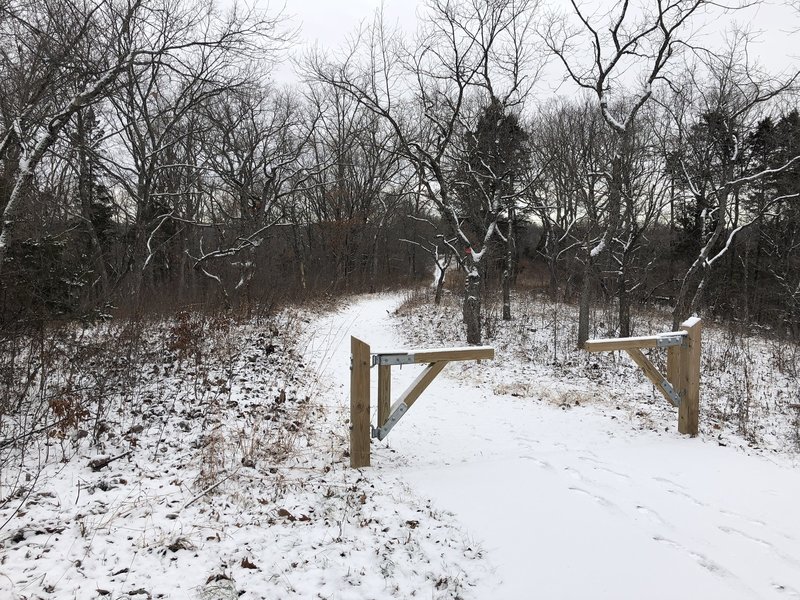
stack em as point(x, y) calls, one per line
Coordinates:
point(570, 498)
point(530, 476)
point(227, 478)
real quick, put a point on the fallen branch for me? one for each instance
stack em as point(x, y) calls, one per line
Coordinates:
point(103, 461)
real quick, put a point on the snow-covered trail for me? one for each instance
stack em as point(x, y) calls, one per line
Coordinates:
point(575, 503)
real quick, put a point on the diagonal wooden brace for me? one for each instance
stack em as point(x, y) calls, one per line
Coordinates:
point(407, 398)
point(654, 376)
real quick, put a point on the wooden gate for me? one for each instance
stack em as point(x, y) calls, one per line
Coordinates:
point(362, 360)
point(681, 386)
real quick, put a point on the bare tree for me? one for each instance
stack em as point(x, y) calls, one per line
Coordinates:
point(644, 196)
point(428, 93)
point(442, 255)
point(629, 42)
point(76, 52)
point(254, 143)
point(711, 152)
point(571, 148)
point(359, 182)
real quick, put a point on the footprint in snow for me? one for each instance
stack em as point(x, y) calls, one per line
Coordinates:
point(761, 542)
point(599, 467)
point(538, 462)
point(527, 440)
point(574, 473)
point(653, 515)
point(599, 499)
point(788, 590)
point(669, 482)
point(702, 560)
point(687, 496)
point(750, 520)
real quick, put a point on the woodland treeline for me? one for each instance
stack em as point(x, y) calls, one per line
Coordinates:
point(148, 161)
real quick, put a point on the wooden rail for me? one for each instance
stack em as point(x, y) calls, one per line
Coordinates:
point(610, 344)
point(681, 386)
point(389, 414)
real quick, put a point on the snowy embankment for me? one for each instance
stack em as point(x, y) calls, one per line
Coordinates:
point(218, 470)
point(523, 477)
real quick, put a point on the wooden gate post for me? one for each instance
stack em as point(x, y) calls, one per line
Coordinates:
point(360, 358)
point(688, 374)
point(384, 393)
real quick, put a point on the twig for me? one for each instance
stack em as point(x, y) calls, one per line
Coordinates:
point(9, 441)
point(208, 489)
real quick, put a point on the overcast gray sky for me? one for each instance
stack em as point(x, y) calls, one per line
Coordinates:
point(330, 22)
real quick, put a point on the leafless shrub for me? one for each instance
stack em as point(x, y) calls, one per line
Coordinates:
point(796, 427)
point(57, 382)
point(100, 386)
point(414, 299)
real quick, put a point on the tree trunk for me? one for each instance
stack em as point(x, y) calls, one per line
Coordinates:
point(299, 256)
point(374, 267)
point(687, 294)
point(29, 164)
point(619, 172)
point(506, 294)
point(624, 308)
point(508, 266)
point(437, 298)
point(6, 223)
point(85, 191)
point(552, 286)
point(472, 305)
point(373, 280)
point(695, 277)
point(585, 304)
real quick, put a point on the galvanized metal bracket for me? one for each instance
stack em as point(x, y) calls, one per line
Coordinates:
point(382, 432)
point(674, 396)
point(398, 358)
point(665, 340)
